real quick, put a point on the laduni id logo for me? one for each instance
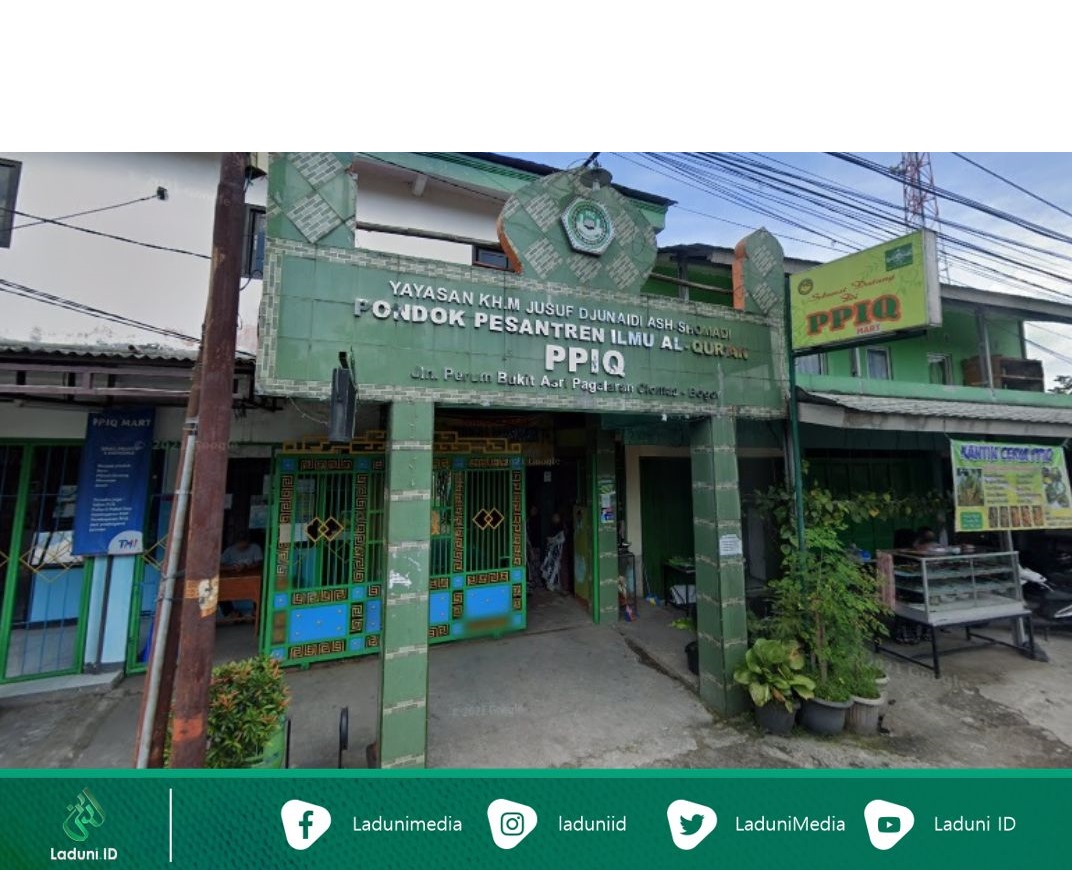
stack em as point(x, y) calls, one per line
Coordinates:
point(304, 823)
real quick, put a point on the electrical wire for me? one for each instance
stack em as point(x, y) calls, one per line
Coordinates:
point(16, 289)
point(868, 215)
point(1013, 184)
point(155, 196)
point(151, 245)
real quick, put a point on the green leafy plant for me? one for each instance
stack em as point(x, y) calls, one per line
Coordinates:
point(825, 597)
point(833, 689)
point(772, 671)
point(247, 702)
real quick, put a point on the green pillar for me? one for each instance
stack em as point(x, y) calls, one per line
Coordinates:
point(720, 602)
point(404, 650)
point(606, 538)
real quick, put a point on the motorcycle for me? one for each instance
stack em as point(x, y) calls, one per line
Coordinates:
point(1048, 597)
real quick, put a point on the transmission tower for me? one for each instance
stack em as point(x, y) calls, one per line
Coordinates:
point(920, 201)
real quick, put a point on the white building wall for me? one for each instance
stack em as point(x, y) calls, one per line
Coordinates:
point(389, 200)
point(158, 287)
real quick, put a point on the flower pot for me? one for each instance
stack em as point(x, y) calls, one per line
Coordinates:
point(275, 751)
point(775, 718)
point(864, 713)
point(823, 716)
point(692, 656)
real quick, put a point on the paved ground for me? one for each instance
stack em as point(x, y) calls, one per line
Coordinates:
point(569, 694)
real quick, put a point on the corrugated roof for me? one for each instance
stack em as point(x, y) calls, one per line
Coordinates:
point(116, 351)
point(898, 413)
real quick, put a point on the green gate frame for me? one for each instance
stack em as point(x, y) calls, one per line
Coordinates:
point(465, 601)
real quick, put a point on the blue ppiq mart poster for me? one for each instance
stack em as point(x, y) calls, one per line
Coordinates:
point(110, 508)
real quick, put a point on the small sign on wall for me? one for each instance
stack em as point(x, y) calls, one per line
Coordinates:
point(730, 545)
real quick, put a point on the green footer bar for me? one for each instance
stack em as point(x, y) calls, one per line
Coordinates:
point(536, 820)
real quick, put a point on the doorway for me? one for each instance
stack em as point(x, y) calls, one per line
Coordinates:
point(666, 517)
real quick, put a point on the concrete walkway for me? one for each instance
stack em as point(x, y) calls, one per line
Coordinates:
point(567, 693)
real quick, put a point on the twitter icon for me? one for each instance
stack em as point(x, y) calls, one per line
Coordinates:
point(690, 823)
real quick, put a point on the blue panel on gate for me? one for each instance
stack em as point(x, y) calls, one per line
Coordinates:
point(487, 602)
point(457, 581)
point(357, 592)
point(357, 644)
point(372, 616)
point(439, 607)
point(317, 623)
point(279, 601)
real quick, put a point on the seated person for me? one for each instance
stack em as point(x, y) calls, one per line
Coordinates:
point(243, 554)
point(926, 540)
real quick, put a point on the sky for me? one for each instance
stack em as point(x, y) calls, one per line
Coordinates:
point(1048, 175)
point(699, 216)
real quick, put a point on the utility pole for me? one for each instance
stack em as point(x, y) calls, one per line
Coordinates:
point(200, 589)
point(160, 678)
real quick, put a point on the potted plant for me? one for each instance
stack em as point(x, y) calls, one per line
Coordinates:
point(826, 598)
point(772, 672)
point(825, 712)
point(247, 708)
point(868, 700)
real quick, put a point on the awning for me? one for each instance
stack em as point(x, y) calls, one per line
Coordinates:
point(859, 412)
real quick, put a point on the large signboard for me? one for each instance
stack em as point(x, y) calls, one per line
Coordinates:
point(1010, 487)
point(113, 481)
point(890, 288)
point(567, 327)
point(473, 338)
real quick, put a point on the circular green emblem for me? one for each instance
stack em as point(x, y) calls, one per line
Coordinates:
point(806, 286)
point(588, 226)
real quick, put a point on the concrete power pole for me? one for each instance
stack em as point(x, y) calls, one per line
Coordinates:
point(200, 590)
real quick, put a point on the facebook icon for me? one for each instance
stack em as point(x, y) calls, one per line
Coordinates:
point(303, 823)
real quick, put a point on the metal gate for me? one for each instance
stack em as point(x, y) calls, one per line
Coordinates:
point(477, 584)
point(326, 557)
point(325, 566)
point(45, 589)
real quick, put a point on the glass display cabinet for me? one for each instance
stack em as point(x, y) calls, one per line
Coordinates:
point(946, 590)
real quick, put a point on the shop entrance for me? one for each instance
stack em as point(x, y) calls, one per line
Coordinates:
point(44, 589)
point(326, 558)
point(667, 527)
point(559, 530)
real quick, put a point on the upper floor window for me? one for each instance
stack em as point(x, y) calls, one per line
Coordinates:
point(490, 257)
point(812, 364)
point(9, 188)
point(253, 243)
point(940, 367)
point(878, 363)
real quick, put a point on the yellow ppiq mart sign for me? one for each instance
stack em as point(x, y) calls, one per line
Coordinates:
point(885, 289)
point(997, 486)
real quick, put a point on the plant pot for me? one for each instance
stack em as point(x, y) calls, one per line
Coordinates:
point(775, 718)
point(864, 713)
point(275, 751)
point(882, 681)
point(692, 655)
point(823, 716)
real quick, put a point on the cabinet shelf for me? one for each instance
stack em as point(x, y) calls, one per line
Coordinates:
point(946, 589)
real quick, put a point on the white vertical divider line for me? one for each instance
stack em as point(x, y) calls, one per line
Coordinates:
point(170, 825)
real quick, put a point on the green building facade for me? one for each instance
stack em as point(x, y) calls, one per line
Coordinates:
point(415, 532)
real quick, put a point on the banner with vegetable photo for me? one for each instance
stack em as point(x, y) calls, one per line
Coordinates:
point(1010, 487)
